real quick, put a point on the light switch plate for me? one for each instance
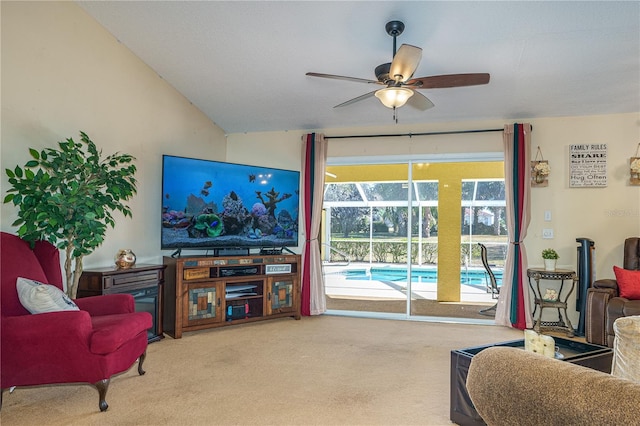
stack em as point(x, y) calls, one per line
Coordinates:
point(547, 215)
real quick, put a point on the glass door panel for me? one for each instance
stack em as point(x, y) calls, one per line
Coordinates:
point(484, 222)
point(458, 205)
point(424, 242)
point(365, 238)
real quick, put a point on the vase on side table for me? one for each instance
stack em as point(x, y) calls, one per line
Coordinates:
point(550, 264)
point(125, 259)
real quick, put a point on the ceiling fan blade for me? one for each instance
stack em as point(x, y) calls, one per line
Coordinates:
point(341, 77)
point(420, 101)
point(448, 80)
point(405, 62)
point(358, 99)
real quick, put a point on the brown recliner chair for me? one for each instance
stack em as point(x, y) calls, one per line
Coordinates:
point(604, 306)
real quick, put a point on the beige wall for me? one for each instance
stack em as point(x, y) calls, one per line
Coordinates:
point(605, 215)
point(61, 73)
point(282, 150)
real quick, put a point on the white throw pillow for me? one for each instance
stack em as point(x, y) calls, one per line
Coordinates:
point(39, 298)
point(539, 343)
point(626, 348)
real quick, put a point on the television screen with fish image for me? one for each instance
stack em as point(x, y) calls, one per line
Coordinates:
point(218, 205)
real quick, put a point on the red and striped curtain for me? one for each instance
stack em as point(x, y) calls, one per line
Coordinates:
point(514, 308)
point(314, 160)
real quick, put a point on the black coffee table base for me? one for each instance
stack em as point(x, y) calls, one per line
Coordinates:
point(462, 411)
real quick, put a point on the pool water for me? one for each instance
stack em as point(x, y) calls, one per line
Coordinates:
point(420, 274)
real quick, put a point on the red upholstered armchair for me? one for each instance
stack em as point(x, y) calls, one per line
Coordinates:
point(105, 337)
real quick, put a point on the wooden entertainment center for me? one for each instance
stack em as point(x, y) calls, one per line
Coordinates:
point(204, 292)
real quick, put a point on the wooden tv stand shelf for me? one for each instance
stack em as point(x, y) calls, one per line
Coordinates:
point(204, 292)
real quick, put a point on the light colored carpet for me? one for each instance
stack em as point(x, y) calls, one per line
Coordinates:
point(325, 370)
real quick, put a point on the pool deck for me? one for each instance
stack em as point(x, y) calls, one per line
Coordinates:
point(337, 285)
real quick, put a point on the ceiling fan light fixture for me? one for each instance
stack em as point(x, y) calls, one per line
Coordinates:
point(394, 97)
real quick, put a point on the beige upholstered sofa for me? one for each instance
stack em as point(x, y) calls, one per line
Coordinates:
point(510, 386)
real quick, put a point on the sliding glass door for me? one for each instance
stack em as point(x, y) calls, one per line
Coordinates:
point(396, 238)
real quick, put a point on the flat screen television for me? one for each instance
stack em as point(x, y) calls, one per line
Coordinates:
point(218, 205)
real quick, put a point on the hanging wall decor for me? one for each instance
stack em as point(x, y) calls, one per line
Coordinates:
point(539, 170)
point(634, 168)
point(588, 165)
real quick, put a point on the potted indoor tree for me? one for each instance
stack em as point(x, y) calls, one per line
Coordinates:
point(550, 257)
point(67, 195)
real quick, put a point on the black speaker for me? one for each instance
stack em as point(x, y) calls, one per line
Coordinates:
point(238, 271)
point(586, 275)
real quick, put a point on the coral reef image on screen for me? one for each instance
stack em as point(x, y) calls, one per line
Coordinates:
point(212, 204)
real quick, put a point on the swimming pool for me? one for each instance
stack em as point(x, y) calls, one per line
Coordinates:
point(419, 274)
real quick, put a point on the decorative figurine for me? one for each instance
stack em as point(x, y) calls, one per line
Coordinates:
point(125, 259)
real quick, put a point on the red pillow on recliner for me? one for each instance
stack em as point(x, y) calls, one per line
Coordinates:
point(628, 283)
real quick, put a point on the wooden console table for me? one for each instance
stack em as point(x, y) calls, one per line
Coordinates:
point(563, 323)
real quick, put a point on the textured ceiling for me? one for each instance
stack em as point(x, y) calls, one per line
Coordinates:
point(244, 63)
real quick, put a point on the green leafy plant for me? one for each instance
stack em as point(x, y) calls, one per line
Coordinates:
point(67, 195)
point(359, 250)
point(398, 252)
point(549, 253)
point(380, 250)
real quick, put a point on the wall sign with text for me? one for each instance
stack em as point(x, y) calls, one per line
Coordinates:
point(588, 165)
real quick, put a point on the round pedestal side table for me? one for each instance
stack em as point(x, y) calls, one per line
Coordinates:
point(551, 300)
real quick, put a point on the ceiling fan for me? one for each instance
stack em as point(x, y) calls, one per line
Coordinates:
point(396, 76)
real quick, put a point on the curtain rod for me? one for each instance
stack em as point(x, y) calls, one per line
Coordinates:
point(452, 132)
